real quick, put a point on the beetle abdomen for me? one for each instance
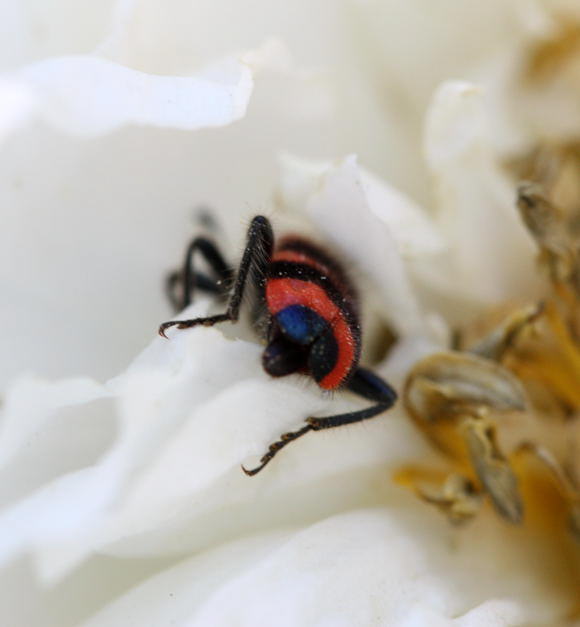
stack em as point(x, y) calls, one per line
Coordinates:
point(301, 278)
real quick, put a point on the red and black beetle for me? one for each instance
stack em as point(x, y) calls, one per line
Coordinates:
point(310, 311)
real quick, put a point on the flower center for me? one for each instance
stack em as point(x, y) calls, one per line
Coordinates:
point(504, 407)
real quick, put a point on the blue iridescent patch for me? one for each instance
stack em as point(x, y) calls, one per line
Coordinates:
point(301, 324)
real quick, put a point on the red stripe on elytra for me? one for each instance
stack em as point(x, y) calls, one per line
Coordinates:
point(346, 353)
point(281, 293)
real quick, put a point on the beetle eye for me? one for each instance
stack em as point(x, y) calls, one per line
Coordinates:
point(323, 356)
point(282, 357)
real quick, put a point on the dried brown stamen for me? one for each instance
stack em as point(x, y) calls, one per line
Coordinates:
point(455, 398)
point(551, 53)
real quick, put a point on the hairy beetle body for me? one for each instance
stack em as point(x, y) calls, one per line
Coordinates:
point(311, 310)
point(311, 299)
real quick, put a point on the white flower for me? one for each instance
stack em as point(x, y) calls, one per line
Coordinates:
point(123, 502)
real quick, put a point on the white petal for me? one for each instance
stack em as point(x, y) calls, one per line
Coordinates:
point(31, 30)
point(52, 436)
point(190, 411)
point(411, 228)
point(493, 255)
point(196, 423)
point(421, 48)
point(16, 105)
point(30, 402)
point(336, 197)
point(62, 509)
point(365, 567)
point(89, 96)
point(170, 598)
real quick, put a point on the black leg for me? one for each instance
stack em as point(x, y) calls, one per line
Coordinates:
point(257, 254)
point(177, 291)
point(187, 279)
point(364, 383)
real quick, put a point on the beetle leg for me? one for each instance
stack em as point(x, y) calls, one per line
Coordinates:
point(257, 254)
point(285, 439)
point(186, 278)
point(364, 383)
point(369, 385)
point(179, 295)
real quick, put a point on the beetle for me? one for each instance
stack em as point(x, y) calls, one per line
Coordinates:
point(308, 309)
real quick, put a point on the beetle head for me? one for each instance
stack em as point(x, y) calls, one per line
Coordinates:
point(300, 341)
